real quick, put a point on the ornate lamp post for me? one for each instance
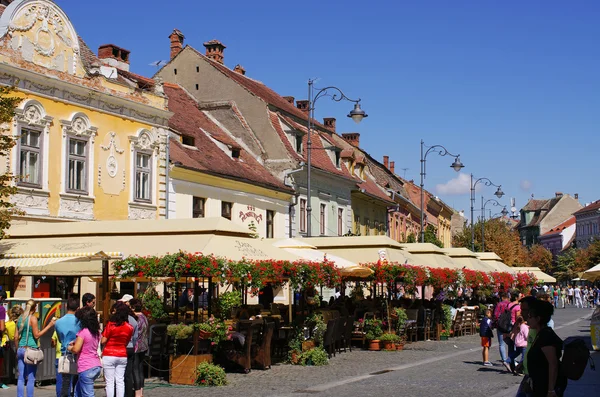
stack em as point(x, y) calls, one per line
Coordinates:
point(499, 193)
point(504, 212)
point(442, 151)
point(356, 114)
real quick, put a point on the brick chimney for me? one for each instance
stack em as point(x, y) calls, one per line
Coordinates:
point(392, 166)
point(386, 162)
point(558, 194)
point(576, 196)
point(176, 38)
point(329, 122)
point(239, 69)
point(352, 138)
point(302, 105)
point(114, 56)
point(214, 50)
point(290, 99)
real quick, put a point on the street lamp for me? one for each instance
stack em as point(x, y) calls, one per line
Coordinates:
point(483, 204)
point(499, 193)
point(442, 151)
point(356, 114)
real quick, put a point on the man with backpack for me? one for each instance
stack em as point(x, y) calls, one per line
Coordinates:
point(498, 311)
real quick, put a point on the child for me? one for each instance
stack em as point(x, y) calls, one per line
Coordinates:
point(519, 335)
point(485, 331)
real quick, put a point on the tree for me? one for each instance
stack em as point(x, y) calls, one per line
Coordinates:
point(499, 238)
point(564, 269)
point(539, 256)
point(7, 188)
point(431, 236)
point(411, 238)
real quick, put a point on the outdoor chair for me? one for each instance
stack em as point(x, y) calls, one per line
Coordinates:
point(427, 324)
point(329, 339)
point(261, 355)
point(411, 324)
point(243, 357)
point(457, 323)
point(340, 327)
point(158, 349)
point(347, 338)
point(467, 323)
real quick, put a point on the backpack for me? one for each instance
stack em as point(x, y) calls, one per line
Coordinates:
point(505, 320)
point(575, 359)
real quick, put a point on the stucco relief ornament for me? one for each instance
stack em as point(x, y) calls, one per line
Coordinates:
point(32, 114)
point(79, 125)
point(112, 165)
point(44, 41)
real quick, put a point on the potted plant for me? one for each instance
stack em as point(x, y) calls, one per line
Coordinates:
point(228, 301)
point(373, 331)
point(315, 357)
point(208, 374)
point(400, 342)
point(389, 341)
point(402, 318)
point(446, 321)
point(444, 334)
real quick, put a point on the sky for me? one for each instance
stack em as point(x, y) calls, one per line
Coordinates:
point(512, 86)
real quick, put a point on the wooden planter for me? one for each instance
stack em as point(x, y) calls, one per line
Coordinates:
point(374, 345)
point(388, 345)
point(182, 369)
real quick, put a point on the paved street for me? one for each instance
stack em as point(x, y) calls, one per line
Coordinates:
point(450, 368)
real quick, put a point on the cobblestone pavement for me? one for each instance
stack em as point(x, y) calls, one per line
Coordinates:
point(449, 368)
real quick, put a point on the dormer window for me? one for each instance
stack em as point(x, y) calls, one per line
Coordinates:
point(299, 144)
point(188, 140)
point(337, 158)
point(235, 153)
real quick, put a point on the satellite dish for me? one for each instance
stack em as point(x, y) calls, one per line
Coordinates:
point(513, 209)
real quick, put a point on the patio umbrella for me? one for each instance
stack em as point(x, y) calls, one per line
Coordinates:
point(592, 274)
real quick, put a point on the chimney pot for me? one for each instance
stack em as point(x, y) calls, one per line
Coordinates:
point(114, 56)
point(576, 196)
point(240, 69)
point(352, 138)
point(214, 50)
point(302, 105)
point(392, 166)
point(386, 162)
point(329, 122)
point(176, 38)
point(558, 194)
point(290, 99)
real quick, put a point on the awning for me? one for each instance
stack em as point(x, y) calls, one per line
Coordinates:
point(592, 274)
point(492, 259)
point(468, 259)
point(427, 254)
point(540, 275)
point(58, 264)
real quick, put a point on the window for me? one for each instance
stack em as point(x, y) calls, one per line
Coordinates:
point(367, 227)
point(299, 144)
point(143, 176)
point(323, 208)
point(357, 225)
point(197, 69)
point(340, 221)
point(197, 87)
point(235, 153)
point(175, 71)
point(226, 209)
point(270, 219)
point(337, 158)
point(77, 165)
point(303, 215)
point(188, 140)
point(30, 158)
point(198, 207)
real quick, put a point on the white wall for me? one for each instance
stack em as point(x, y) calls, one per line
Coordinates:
point(567, 235)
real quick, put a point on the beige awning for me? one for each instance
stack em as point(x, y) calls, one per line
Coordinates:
point(540, 275)
point(468, 259)
point(427, 254)
point(492, 259)
point(591, 274)
point(219, 237)
point(357, 272)
point(58, 264)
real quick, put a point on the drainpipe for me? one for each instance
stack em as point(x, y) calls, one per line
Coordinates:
point(286, 174)
point(167, 169)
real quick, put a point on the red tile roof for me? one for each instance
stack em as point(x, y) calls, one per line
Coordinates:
point(189, 120)
point(589, 208)
point(559, 228)
point(260, 90)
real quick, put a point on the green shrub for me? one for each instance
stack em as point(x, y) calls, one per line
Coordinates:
point(208, 374)
point(180, 331)
point(402, 319)
point(316, 357)
point(227, 301)
point(447, 319)
point(372, 329)
point(389, 338)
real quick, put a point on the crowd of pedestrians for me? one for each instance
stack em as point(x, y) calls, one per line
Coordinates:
point(118, 350)
point(531, 348)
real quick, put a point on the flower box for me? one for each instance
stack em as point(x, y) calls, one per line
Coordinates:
point(182, 369)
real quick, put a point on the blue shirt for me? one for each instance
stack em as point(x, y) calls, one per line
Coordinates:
point(67, 328)
point(485, 328)
point(134, 337)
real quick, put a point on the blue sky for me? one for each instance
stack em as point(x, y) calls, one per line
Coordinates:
point(513, 86)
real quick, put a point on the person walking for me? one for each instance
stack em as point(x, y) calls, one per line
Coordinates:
point(501, 307)
point(543, 357)
point(141, 348)
point(67, 328)
point(556, 296)
point(519, 336)
point(116, 336)
point(577, 297)
point(2, 332)
point(486, 334)
point(88, 300)
point(132, 319)
point(27, 334)
point(85, 347)
point(570, 292)
point(563, 297)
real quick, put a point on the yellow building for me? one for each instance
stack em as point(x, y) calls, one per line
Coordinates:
point(445, 225)
point(90, 142)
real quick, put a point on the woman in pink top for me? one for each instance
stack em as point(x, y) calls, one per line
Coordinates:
point(86, 346)
point(519, 335)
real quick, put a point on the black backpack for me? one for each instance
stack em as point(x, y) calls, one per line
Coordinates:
point(505, 320)
point(575, 359)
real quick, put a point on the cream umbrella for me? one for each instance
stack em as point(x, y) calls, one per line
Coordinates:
point(592, 274)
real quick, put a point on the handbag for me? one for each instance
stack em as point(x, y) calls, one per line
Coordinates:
point(67, 364)
point(33, 356)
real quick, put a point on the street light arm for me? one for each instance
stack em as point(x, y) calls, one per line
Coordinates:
point(486, 182)
point(338, 97)
point(439, 149)
point(494, 202)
